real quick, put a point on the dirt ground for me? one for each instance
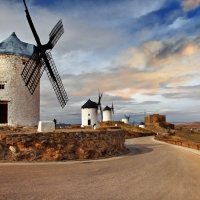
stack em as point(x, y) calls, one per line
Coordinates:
point(31, 130)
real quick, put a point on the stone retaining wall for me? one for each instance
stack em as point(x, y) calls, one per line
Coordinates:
point(61, 146)
point(191, 145)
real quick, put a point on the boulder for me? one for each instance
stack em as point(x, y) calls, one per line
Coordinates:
point(46, 126)
point(13, 149)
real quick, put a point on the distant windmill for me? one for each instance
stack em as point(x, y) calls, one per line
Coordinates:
point(99, 104)
point(42, 60)
point(89, 112)
point(126, 119)
point(107, 113)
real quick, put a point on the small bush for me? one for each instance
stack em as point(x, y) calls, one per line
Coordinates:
point(171, 132)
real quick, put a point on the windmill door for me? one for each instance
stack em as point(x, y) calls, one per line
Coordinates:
point(3, 113)
point(89, 122)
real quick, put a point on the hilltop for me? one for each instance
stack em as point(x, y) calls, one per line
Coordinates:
point(130, 131)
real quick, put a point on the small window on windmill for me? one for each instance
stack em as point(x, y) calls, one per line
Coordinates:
point(88, 114)
point(2, 86)
point(24, 61)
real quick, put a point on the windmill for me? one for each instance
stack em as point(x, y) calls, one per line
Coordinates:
point(127, 117)
point(107, 113)
point(42, 60)
point(99, 104)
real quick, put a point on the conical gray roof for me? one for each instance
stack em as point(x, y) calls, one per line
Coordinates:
point(90, 104)
point(12, 45)
point(107, 108)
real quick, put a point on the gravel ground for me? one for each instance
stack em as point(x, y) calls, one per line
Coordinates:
point(152, 170)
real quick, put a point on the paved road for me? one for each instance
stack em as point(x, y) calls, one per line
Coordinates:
point(154, 171)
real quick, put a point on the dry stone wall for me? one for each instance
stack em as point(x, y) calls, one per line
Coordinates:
point(61, 146)
point(188, 144)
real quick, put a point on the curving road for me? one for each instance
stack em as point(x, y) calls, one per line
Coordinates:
point(153, 170)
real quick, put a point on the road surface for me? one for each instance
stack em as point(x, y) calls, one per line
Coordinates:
point(152, 171)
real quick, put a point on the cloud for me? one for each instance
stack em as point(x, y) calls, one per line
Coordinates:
point(148, 102)
point(179, 22)
point(190, 4)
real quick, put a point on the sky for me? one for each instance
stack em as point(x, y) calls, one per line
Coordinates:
point(142, 54)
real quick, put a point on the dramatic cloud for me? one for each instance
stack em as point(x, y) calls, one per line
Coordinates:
point(190, 4)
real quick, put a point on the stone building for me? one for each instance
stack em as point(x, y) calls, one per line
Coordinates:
point(158, 120)
point(17, 105)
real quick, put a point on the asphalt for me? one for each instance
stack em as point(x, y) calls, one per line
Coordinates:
point(152, 170)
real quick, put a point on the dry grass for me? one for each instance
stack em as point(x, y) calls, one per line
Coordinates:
point(130, 131)
point(192, 137)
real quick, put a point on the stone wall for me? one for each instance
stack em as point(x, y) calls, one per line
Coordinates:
point(61, 146)
point(23, 108)
point(178, 142)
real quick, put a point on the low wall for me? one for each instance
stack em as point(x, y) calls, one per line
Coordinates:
point(191, 145)
point(61, 146)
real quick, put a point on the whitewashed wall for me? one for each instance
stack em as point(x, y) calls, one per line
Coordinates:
point(23, 108)
point(89, 113)
point(107, 115)
point(125, 121)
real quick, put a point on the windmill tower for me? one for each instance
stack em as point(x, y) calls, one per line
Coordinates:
point(126, 119)
point(89, 112)
point(41, 59)
point(17, 105)
point(107, 113)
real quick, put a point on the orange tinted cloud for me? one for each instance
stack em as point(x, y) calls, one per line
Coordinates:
point(190, 4)
point(141, 71)
point(189, 49)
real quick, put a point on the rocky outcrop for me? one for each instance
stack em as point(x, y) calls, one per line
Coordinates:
point(61, 146)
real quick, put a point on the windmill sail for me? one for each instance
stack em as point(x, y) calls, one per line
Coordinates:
point(32, 72)
point(56, 81)
point(112, 108)
point(56, 33)
point(99, 104)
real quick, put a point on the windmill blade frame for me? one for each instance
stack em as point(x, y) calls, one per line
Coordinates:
point(32, 72)
point(56, 83)
point(56, 33)
point(32, 25)
point(112, 108)
point(99, 104)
